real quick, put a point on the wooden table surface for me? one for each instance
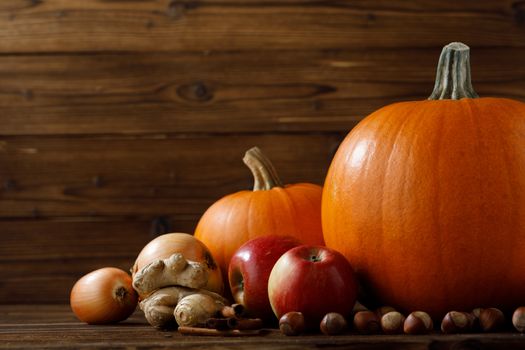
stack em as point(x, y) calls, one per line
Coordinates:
point(54, 326)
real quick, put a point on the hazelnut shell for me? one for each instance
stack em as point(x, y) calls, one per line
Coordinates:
point(292, 323)
point(418, 322)
point(333, 323)
point(392, 322)
point(367, 322)
point(518, 319)
point(491, 320)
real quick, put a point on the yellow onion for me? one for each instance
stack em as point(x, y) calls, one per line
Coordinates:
point(103, 296)
point(168, 244)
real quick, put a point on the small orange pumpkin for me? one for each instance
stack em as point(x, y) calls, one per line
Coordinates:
point(426, 199)
point(270, 209)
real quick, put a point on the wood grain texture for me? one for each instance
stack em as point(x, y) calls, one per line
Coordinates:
point(116, 116)
point(54, 326)
point(40, 260)
point(73, 204)
point(202, 25)
point(157, 175)
point(227, 92)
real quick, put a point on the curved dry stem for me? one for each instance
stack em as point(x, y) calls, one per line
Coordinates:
point(264, 174)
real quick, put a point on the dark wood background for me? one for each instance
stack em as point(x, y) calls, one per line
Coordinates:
point(121, 119)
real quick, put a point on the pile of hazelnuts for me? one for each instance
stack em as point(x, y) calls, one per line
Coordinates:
point(386, 320)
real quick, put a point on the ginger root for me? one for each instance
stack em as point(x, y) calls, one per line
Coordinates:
point(175, 270)
point(159, 306)
point(196, 309)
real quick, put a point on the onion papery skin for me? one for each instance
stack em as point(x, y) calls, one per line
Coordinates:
point(103, 296)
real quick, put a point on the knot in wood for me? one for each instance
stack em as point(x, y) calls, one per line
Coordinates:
point(159, 226)
point(28, 94)
point(10, 185)
point(197, 91)
point(177, 8)
point(98, 181)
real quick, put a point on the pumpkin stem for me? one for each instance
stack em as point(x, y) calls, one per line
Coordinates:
point(453, 74)
point(264, 174)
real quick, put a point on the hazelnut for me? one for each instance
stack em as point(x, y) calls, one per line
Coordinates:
point(491, 319)
point(384, 310)
point(392, 322)
point(292, 323)
point(367, 322)
point(476, 312)
point(333, 323)
point(518, 319)
point(418, 322)
point(457, 322)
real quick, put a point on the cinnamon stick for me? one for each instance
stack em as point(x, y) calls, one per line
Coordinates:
point(222, 323)
point(234, 323)
point(235, 310)
point(215, 332)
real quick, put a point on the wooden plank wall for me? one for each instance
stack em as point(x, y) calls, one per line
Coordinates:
point(119, 119)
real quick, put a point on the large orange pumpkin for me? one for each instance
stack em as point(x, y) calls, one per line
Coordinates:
point(427, 199)
point(270, 209)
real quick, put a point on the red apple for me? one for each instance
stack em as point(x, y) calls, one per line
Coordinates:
point(313, 280)
point(250, 269)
